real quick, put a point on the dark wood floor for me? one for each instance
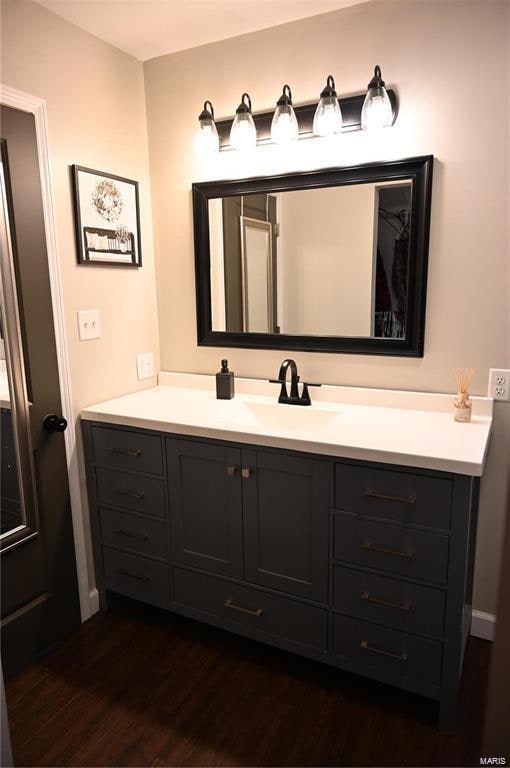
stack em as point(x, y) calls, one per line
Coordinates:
point(137, 687)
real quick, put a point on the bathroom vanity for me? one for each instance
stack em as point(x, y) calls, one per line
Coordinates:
point(344, 532)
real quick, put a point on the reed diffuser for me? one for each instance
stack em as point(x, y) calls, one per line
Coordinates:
point(462, 406)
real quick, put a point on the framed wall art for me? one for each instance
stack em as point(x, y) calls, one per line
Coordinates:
point(107, 219)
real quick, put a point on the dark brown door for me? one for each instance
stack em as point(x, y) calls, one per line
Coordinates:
point(39, 587)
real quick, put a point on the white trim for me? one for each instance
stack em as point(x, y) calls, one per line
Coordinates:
point(11, 97)
point(483, 624)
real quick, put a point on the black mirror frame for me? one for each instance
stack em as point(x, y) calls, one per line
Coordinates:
point(418, 169)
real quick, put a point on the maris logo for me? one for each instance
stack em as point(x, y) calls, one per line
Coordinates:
point(493, 761)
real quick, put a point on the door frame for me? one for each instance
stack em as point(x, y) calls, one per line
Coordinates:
point(12, 97)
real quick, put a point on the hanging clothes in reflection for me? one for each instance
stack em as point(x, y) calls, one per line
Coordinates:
point(392, 267)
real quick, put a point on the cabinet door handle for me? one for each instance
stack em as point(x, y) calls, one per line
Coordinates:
point(132, 535)
point(402, 656)
point(231, 471)
point(126, 451)
point(133, 494)
point(397, 552)
point(246, 472)
point(131, 575)
point(229, 604)
point(401, 499)
point(406, 606)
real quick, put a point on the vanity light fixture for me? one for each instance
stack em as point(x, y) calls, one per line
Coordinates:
point(207, 137)
point(284, 126)
point(377, 111)
point(243, 134)
point(327, 120)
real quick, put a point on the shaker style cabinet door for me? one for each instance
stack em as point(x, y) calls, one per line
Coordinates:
point(205, 506)
point(286, 502)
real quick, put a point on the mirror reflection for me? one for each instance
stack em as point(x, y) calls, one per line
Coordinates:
point(330, 261)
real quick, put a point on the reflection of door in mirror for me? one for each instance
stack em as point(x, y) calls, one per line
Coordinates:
point(243, 263)
point(330, 261)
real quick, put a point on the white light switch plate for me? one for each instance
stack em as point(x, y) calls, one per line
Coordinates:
point(89, 324)
point(145, 365)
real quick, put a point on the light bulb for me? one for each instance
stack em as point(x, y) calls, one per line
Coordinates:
point(243, 134)
point(284, 126)
point(377, 111)
point(206, 139)
point(327, 120)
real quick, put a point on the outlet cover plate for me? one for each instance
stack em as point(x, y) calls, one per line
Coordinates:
point(89, 324)
point(499, 384)
point(145, 365)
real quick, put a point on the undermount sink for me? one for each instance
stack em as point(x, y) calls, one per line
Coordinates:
point(291, 416)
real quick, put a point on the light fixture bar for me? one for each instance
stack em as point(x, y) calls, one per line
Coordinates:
point(351, 119)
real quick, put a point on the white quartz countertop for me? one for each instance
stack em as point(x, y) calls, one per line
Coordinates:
point(395, 427)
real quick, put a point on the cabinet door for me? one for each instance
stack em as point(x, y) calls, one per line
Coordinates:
point(286, 502)
point(205, 506)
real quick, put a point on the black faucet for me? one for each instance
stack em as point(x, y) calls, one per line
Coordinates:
point(294, 398)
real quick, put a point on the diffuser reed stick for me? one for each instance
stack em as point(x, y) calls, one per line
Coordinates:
point(462, 406)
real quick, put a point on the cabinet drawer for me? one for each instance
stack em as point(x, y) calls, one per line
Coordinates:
point(127, 450)
point(137, 577)
point(251, 608)
point(391, 602)
point(134, 492)
point(136, 534)
point(399, 496)
point(392, 548)
point(372, 647)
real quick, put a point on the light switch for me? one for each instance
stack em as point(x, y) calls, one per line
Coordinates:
point(145, 365)
point(89, 324)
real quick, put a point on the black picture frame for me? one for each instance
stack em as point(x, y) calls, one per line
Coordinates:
point(83, 252)
point(416, 169)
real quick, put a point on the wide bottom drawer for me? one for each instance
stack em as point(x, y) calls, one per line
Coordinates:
point(401, 656)
point(137, 577)
point(252, 608)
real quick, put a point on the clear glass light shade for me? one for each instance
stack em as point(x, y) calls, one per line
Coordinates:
point(284, 127)
point(327, 120)
point(243, 134)
point(206, 139)
point(377, 111)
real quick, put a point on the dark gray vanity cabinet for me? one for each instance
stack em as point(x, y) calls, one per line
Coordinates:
point(364, 566)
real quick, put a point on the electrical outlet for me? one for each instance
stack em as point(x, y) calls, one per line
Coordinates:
point(499, 384)
point(89, 324)
point(145, 365)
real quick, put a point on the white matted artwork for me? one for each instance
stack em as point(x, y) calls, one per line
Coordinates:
point(107, 218)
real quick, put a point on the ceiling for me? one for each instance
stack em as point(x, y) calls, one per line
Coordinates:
point(150, 28)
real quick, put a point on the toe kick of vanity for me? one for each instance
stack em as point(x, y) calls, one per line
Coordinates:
point(364, 566)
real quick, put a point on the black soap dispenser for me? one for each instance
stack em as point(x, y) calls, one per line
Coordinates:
point(224, 382)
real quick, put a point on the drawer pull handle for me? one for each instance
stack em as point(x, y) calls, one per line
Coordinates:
point(246, 472)
point(126, 451)
point(401, 499)
point(403, 656)
point(397, 552)
point(231, 471)
point(131, 575)
point(132, 535)
point(132, 494)
point(230, 604)
point(401, 606)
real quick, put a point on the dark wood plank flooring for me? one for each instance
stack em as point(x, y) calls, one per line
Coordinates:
point(140, 687)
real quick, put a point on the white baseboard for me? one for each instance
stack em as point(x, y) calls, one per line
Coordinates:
point(483, 625)
point(93, 602)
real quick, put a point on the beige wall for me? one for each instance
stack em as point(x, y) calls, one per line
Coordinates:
point(327, 244)
point(441, 55)
point(96, 118)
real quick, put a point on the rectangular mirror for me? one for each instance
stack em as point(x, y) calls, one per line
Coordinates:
point(332, 260)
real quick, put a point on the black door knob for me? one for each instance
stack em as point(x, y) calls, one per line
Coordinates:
point(53, 423)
